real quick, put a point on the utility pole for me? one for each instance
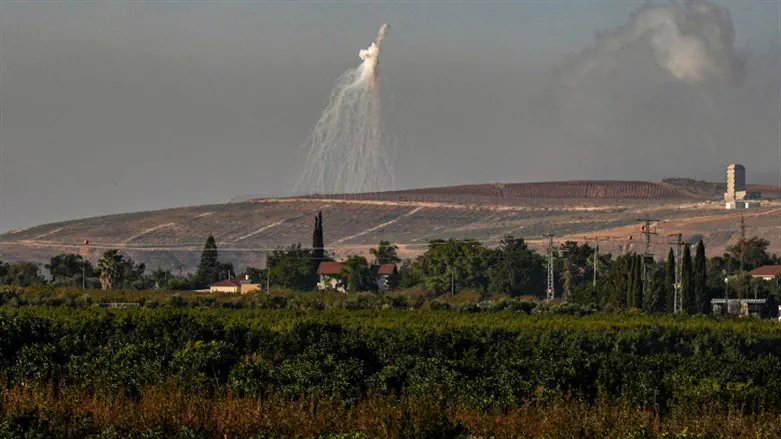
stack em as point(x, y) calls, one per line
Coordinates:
point(596, 240)
point(551, 286)
point(648, 257)
point(678, 304)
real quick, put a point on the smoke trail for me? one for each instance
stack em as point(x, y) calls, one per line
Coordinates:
point(347, 149)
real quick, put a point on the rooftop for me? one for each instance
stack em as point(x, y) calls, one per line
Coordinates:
point(767, 270)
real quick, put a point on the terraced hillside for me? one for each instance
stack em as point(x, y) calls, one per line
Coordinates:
point(246, 231)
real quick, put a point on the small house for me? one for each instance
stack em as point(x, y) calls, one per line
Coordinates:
point(330, 275)
point(382, 274)
point(234, 286)
point(766, 272)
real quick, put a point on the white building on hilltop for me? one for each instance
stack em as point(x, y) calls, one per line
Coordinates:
point(736, 196)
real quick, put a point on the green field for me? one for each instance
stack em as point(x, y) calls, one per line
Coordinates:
point(189, 369)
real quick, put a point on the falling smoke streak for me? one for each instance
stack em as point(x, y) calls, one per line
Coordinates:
point(347, 150)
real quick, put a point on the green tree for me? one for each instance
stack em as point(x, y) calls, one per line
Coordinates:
point(318, 242)
point(225, 270)
point(617, 282)
point(701, 295)
point(385, 253)
point(111, 266)
point(208, 268)
point(65, 267)
point(634, 298)
point(357, 275)
point(687, 282)
point(669, 282)
point(291, 267)
point(515, 269)
point(754, 252)
point(460, 264)
point(21, 273)
point(654, 301)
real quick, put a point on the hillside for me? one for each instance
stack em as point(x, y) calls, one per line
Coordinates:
point(246, 231)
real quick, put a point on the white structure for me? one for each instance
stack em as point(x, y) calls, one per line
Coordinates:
point(331, 276)
point(736, 196)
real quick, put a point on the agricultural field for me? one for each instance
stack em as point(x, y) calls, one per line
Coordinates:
point(182, 366)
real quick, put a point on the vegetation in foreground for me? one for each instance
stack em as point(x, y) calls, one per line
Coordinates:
point(384, 373)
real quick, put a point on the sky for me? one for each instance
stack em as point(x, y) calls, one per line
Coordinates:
point(124, 106)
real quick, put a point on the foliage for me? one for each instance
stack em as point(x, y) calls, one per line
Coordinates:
point(208, 268)
point(21, 273)
point(700, 280)
point(515, 269)
point(753, 251)
point(454, 265)
point(291, 267)
point(357, 275)
point(385, 253)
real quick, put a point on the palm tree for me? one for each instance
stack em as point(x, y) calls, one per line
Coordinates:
point(357, 274)
point(385, 253)
point(111, 267)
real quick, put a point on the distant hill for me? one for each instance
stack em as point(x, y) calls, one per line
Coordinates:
point(247, 230)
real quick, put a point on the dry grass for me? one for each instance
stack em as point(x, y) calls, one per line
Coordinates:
point(161, 410)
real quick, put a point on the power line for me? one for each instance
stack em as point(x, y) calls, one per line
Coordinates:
point(648, 257)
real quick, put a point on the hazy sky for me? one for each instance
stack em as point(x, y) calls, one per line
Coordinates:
point(124, 106)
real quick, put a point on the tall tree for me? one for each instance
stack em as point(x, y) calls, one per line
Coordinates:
point(654, 300)
point(385, 253)
point(669, 282)
point(112, 267)
point(634, 298)
point(754, 251)
point(516, 269)
point(291, 267)
point(65, 266)
point(687, 281)
point(453, 264)
point(701, 295)
point(208, 268)
point(318, 243)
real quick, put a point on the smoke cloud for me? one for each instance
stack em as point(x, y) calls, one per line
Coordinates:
point(347, 149)
point(693, 42)
point(664, 92)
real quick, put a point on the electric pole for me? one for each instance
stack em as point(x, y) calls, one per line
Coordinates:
point(677, 303)
point(551, 286)
point(648, 257)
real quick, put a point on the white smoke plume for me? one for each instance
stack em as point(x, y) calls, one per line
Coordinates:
point(693, 42)
point(668, 87)
point(347, 150)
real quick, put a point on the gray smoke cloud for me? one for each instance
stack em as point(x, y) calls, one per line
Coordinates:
point(665, 91)
point(693, 42)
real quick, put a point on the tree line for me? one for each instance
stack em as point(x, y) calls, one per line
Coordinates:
point(581, 274)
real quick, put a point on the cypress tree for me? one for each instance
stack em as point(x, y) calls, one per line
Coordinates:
point(701, 279)
point(654, 301)
point(669, 283)
point(208, 267)
point(630, 289)
point(638, 280)
point(318, 244)
point(687, 281)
